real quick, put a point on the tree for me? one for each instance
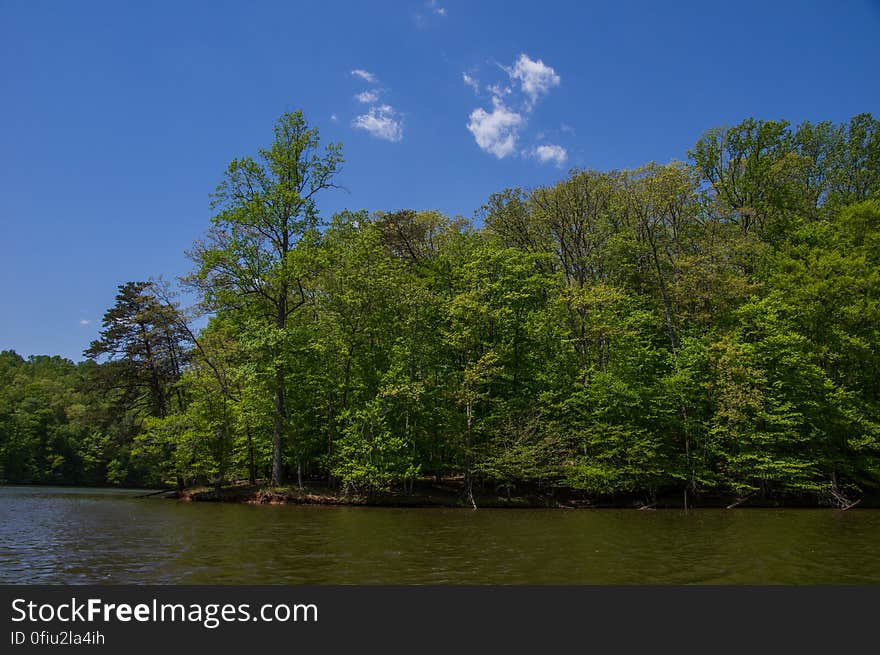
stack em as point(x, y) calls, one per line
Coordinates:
point(142, 341)
point(680, 329)
point(660, 202)
point(142, 348)
point(855, 168)
point(41, 431)
point(266, 207)
point(746, 166)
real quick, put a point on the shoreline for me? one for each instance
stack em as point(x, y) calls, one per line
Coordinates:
point(448, 495)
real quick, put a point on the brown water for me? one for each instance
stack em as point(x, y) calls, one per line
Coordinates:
point(78, 536)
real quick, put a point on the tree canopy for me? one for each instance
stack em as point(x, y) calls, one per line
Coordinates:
point(703, 328)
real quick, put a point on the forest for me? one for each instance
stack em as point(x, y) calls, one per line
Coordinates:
point(706, 328)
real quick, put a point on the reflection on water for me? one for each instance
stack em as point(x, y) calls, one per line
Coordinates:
point(79, 536)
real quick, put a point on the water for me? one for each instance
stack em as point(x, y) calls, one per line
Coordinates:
point(79, 536)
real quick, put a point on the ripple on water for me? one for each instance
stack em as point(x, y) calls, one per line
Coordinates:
point(79, 536)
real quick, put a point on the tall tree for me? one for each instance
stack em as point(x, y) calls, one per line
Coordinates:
point(266, 207)
point(142, 342)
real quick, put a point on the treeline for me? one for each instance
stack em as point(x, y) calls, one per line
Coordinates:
point(709, 327)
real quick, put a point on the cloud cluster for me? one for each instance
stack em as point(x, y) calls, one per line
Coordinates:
point(551, 153)
point(497, 131)
point(367, 97)
point(366, 76)
point(380, 120)
point(535, 77)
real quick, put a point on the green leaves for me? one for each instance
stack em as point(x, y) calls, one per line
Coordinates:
point(707, 328)
point(370, 455)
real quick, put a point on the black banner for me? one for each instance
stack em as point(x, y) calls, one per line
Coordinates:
point(415, 619)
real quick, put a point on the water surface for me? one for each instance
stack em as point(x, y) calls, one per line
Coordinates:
point(79, 536)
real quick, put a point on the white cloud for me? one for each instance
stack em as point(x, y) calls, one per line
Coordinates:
point(367, 97)
point(568, 129)
point(380, 120)
point(535, 77)
point(383, 122)
point(365, 75)
point(495, 132)
point(334, 118)
point(498, 130)
point(84, 321)
point(432, 5)
point(551, 153)
point(498, 90)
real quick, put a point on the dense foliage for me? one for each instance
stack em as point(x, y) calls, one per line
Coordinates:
point(709, 327)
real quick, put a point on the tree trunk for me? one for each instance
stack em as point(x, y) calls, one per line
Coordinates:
point(252, 469)
point(468, 475)
point(280, 410)
point(278, 429)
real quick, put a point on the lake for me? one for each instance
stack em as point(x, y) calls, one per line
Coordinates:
point(84, 536)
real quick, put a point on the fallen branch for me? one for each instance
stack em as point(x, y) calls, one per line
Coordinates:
point(843, 503)
point(740, 501)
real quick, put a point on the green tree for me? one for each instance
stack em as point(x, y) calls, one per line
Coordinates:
point(142, 342)
point(266, 207)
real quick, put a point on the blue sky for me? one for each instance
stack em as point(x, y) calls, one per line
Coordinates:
point(118, 119)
